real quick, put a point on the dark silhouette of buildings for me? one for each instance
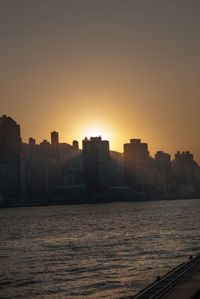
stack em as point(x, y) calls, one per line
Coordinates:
point(54, 138)
point(10, 153)
point(163, 161)
point(55, 146)
point(49, 166)
point(31, 141)
point(186, 173)
point(49, 170)
point(164, 172)
point(116, 169)
point(75, 145)
point(72, 166)
point(184, 167)
point(44, 174)
point(96, 163)
point(136, 163)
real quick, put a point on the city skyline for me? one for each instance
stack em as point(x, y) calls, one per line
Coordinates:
point(99, 148)
point(51, 170)
point(124, 69)
point(88, 137)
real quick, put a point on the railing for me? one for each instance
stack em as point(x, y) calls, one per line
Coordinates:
point(169, 281)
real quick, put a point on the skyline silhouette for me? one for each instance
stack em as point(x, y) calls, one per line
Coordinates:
point(121, 67)
point(57, 171)
point(32, 139)
point(99, 148)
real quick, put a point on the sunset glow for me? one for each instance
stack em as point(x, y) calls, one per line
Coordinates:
point(99, 148)
point(86, 70)
point(94, 130)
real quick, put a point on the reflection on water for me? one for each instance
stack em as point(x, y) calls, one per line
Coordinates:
point(93, 251)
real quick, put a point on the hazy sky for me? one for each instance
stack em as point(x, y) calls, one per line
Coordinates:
point(124, 68)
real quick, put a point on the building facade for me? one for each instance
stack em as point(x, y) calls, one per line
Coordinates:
point(96, 164)
point(10, 157)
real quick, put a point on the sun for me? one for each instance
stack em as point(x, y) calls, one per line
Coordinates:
point(95, 131)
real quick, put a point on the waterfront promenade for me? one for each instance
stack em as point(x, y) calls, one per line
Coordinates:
point(183, 282)
point(188, 288)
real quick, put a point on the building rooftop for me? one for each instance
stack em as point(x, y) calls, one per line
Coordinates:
point(7, 120)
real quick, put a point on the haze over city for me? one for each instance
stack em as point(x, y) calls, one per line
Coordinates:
point(99, 149)
point(112, 68)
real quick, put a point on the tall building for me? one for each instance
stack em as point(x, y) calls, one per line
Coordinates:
point(116, 168)
point(186, 174)
point(96, 163)
point(163, 179)
point(75, 145)
point(54, 138)
point(136, 163)
point(43, 177)
point(10, 152)
point(31, 141)
point(55, 145)
point(184, 166)
point(163, 161)
point(45, 149)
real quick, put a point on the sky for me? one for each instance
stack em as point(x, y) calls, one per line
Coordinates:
point(117, 68)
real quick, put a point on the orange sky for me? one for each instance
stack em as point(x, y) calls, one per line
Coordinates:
point(122, 68)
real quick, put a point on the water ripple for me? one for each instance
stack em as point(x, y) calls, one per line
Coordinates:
point(93, 251)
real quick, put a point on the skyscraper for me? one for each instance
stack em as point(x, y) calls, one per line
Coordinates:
point(10, 152)
point(96, 163)
point(55, 145)
point(163, 177)
point(184, 167)
point(31, 141)
point(75, 145)
point(54, 138)
point(136, 163)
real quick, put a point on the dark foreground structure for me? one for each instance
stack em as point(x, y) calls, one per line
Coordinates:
point(181, 283)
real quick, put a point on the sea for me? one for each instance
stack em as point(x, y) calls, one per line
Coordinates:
point(108, 250)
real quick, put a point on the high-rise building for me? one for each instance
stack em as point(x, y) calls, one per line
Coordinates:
point(184, 166)
point(136, 163)
point(163, 161)
point(55, 145)
point(43, 177)
point(163, 177)
point(45, 149)
point(96, 163)
point(31, 141)
point(10, 152)
point(54, 138)
point(75, 145)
